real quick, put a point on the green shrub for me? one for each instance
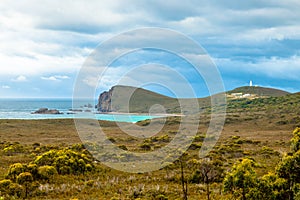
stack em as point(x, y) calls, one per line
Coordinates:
point(199, 138)
point(194, 146)
point(66, 161)
point(196, 177)
point(241, 179)
point(295, 141)
point(89, 167)
point(235, 137)
point(46, 172)
point(4, 185)
point(123, 147)
point(15, 190)
point(15, 170)
point(161, 197)
point(13, 148)
point(111, 139)
point(7, 187)
point(78, 147)
point(33, 169)
point(145, 146)
point(89, 183)
point(26, 179)
point(163, 138)
point(268, 151)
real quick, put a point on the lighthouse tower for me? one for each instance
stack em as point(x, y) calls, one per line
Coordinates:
point(250, 84)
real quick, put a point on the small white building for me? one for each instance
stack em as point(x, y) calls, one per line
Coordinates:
point(237, 94)
point(246, 95)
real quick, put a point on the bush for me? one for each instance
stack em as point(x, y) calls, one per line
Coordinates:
point(268, 151)
point(33, 169)
point(163, 138)
point(145, 146)
point(195, 146)
point(241, 179)
point(123, 147)
point(15, 190)
point(15, 170)
point(46, 172)
point(24, 178)
point(7, 187)
point(161, 197)
point(66, 161)
point(196, 177)
point(295, 142)
point(89, 183)
point(199, 138)
point(4, 185)
point(11, 149)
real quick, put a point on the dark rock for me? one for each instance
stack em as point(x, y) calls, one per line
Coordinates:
point(47, 111)
point(71, 113)
point(88, 105)
point(75, 110)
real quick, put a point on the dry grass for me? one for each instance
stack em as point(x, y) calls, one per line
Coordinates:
point(257, 129)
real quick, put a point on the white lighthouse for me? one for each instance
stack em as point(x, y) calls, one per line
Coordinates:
point(250, 84)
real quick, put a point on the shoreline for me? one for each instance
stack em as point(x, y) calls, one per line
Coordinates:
point(143, 114)
point(108, 116)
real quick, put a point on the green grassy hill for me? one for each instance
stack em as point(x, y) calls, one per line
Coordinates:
point(260, 91)
point(139, 100)
point(283, 104)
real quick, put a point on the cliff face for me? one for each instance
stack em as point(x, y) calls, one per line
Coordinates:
point(127, 99)
point(115, 100)
point(104, 101)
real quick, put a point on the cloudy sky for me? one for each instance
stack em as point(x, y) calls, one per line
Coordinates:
point(43, 44)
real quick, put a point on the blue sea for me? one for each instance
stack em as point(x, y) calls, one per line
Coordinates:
point(23, 108)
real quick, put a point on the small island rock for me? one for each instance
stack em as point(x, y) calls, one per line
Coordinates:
point(47, 111)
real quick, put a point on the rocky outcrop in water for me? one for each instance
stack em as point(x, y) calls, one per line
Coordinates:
point(47, 111)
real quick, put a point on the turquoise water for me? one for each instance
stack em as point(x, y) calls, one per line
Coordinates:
point(22, 109)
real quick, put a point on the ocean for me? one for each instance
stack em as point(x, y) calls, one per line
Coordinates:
point(23, 108)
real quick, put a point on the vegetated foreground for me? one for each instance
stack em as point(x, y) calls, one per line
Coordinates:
point(254, 158)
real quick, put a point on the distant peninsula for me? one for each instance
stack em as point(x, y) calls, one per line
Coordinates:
point(128, 99)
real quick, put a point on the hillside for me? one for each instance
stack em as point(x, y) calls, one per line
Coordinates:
point(259, 91)
point(287, 103)
point(138, 100)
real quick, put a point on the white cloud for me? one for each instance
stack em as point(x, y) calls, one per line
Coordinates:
point(41, 64)
point(20, 78)
point(91, 81)
point(5, 87)
point(55, 37)
point(195, 25)
point(50, 78)
point(102, 77)
point(55, 77)
point(270, 33)
point(275, 67)
point(62, 77)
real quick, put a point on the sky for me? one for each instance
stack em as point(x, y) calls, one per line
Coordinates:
point(43, 45)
